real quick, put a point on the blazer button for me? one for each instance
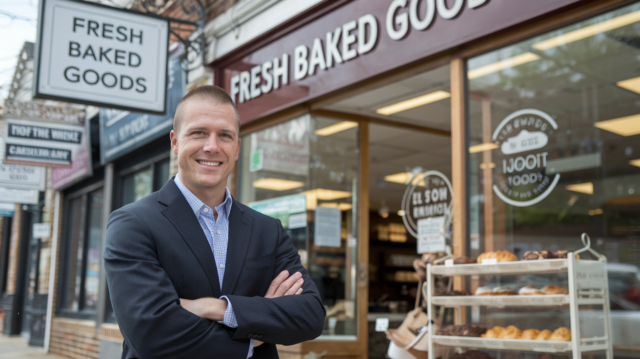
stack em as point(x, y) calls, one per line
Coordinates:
point(259, 337)
point(250, 336)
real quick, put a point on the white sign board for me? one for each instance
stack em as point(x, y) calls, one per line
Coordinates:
point(430, 235)
point(327, 227)
point(382, 324)
point(41, 230)
point(15, 195)
point(100, 55)
point(42, 143)
point(20, 176)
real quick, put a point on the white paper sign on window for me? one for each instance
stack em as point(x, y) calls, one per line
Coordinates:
point(327, 227)
point(430, 235)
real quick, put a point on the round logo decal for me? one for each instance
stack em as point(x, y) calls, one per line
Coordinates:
point(520, 173)
point(429, 194)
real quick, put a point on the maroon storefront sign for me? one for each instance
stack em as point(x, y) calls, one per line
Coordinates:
point(362, 39)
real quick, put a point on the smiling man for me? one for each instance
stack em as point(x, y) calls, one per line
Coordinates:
point(192, 272)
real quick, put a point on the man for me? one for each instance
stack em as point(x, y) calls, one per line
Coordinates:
point(191, 270)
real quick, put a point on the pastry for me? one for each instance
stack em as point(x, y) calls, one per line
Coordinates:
point(511, 332)
point(563, 254)
point(484, 291)
point(500, 256)
point(544, 335)
point(562, 334)
point(463, 260)
point(503, 291)
point(530, 334)
point(530, 290)
point(506, 256)
point(554, 289)
point(535, 255)
point(468, 330)
point(495, 332)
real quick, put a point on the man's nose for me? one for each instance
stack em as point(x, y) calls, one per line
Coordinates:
point(212, 144)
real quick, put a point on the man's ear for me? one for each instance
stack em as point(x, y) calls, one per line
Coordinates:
point(174, 141)
point(239, 146)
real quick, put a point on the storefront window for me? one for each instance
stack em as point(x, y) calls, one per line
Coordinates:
point(80, 294)
point(305, 173)
point(554, 149)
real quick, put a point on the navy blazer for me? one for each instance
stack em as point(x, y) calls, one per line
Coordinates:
point(156, 253)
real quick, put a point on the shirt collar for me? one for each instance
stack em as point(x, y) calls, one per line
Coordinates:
point(196, 204)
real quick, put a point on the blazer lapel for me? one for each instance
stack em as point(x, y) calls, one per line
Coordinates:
point(180, 214)
point(239, 240)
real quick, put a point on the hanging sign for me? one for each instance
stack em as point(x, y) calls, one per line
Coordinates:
point(16, 195)
point(101, 55)
point(7, 209)
point(81, 164)
point(520, 175)
point(122, 131)
point(41, 230)
point(37, 110)
point(41, 143)
point(426, 207)
point(21, 176)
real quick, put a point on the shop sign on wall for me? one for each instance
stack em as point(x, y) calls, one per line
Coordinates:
point(290, 210)
point(520, 174)
point(41, 111)
point(427, 204)
point(283, 148)
point(122, 131)
point(81, 165)
point(21, 176)
point(41, 143)
point(7, 209)
point(100, 55)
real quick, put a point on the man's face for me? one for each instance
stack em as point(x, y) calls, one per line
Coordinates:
point(207, 144)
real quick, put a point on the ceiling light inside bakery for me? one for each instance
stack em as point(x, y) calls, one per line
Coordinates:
point(276, 184)
point(483, 147)
point(340, 206)
point(586, 188)
point(588, 31)
point(635, 162)
point(623, 126)
point(338, 127)
point(413, 102)
point(403, 178)
point(502, 65)
point(630, 84)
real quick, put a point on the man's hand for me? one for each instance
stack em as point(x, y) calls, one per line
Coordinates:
point(282, 285)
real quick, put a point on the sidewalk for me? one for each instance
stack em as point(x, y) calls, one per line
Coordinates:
point(17, 348)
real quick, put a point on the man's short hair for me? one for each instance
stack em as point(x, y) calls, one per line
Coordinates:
point(211, 93)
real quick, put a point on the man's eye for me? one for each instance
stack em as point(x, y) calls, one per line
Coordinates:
point(226, 135)
point(198, 133)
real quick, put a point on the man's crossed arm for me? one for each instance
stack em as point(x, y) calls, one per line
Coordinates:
point(214, 308)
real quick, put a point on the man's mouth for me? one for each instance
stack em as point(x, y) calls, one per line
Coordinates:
point(209, 163)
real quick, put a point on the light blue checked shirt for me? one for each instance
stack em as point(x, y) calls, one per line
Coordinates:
point(217, 233)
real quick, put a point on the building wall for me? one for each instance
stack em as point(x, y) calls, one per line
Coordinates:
point(74, 338)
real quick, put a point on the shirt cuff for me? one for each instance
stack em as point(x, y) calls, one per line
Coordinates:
point(230, 317)
point(231, 322)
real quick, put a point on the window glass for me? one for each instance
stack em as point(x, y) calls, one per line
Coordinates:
point(137, 185)
point(92, 272)
point(554, 131)
point(162, 174)
point(305, 173)
point(74, 269)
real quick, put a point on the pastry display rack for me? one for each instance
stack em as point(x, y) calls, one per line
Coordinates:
point(588, 285)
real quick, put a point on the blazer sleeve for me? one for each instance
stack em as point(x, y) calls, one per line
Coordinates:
point(284, 320)
point(146, 304)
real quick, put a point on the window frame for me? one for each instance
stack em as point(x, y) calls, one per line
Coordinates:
point(66, 256)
